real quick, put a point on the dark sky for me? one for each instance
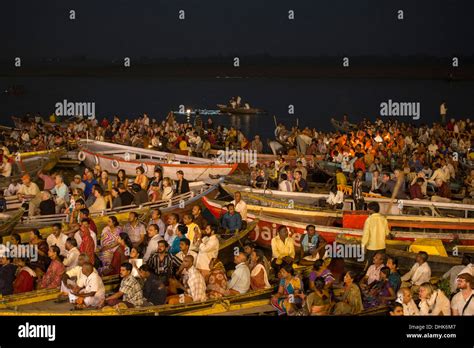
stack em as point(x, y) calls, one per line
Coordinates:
point(111, 29)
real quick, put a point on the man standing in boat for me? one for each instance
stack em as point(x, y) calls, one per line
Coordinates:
point(375, 232)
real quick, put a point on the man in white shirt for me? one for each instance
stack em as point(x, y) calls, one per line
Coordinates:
point(73, 279)
point(240, 281)
point(454, 271)
point(463, 302)
point(171, 230)
point(93, 290)
point(73, 253)
point(409, 306)
point(420, 273)
point(285, 185)
point(240, 205)
point(208, 248)
point(154, 235)
point(58, 238)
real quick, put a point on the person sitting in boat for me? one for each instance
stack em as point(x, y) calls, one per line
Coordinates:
point(416, 189)
point(194, 285)
point(109, 241)
point(121, 179)
point(157, 178)
point(13, 188)
point(357, 194)
point(463, 302)
point(283, 249)
point(47, 205)
point(394, 278)
point(130, 292)
point(141, 179)
point(52, 278)
point(29, 191)
point(309, 240)
point(256, 144)
point(231, 221)
point(180, 235)
point(419, 273)
point(405, 298)
point(154, 290)
point(161, 262)
point(77, 183)
point(321, 270)
point(58, 238)
point(240, 205)
point(140, 195)
point(153, 238)
point(300, 184)
point(443, 191)
point(380, 292)
point(5, 168)
point(99, 203)
point(206, 243)
point(7, 275)
point(135, 229)
point(72, 256)
point(89, 182)
point(217, 279)
point(240, 280)
point(61, 193)
point(92, 292)
point(433, 302)
point(198, 218)
point(120, 255)
point(42, 262)
point(182, 185)
point(285, 184)
point(87, 240)
point(126, 197)
point(351, 300)
point(373, 272)
point(261, 180)
point(319, 301)
point(25, 279)
point(272, 181)
point(290, 293)
point(258, 271)
point(249, 248)
point(167, 189)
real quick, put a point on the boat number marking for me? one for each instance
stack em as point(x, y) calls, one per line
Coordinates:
point(127, 156)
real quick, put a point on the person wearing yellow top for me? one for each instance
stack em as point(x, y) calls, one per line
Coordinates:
point(183, 145)
point(375, 232)
point(340, 177)
point(283, 249)
point(193, 228)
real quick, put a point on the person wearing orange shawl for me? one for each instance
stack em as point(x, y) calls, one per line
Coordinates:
point(52, 277)
point(87, 243)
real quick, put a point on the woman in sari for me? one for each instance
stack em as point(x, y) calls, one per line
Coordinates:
point(319, 301)
point(119, 256)
point(258, 273)
point(379, 292)
point(109, 240)
point(25, 279)
point(319, 270)
point(217, 280)
point(290, 292)
point(42, 262)
point(121, 179)
point(52, 277)
point(141, 178)
point(351, 300)
point(87, 243)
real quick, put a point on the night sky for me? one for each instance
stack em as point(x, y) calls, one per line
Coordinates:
point(111, 29)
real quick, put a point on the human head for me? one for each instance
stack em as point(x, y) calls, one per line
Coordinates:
point(311, 230)
point(125, 269)
point(87, 269)
point(396, 310)
point(184, 245)
point(283, 233)
point(162, 246)
point(465, 281)
point(374, 207)
point(422, 257)
point(188, 261)
point(425, 291)
point(287, 271)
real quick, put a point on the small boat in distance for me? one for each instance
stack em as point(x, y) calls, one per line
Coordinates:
point(225, 109)
point(343, 126)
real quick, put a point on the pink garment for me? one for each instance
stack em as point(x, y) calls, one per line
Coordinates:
point(48, 181)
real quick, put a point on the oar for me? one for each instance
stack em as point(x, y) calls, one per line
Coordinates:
point(395, 192)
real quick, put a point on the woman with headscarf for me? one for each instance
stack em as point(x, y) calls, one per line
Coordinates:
point(52, 277)
point(217, 280)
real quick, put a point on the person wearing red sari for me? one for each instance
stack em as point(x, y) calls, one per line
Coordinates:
point(25, 279)
point(52, 277)
point(120, 255)
point(87, 243)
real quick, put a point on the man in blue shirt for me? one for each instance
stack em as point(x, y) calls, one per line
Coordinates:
point(89, 182)
point(310, 239)
point(231, 220)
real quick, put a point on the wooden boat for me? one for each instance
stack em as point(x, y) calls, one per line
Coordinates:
point(113, 157)
point(438, 264)
point(198, 112)
point(31, 163)
point(225, 109)
point(26, 298)
point(343, 127)
point(267, 228)
point(9, 220)
point(224, 243)
point(49, 308)
point(387, 206)
point(198, 190)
